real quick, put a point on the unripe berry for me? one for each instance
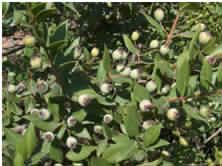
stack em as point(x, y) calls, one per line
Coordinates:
point(135, 73)
point(200, 26)
point(11, 74)
point(11, 88)
point(145, 105)
point(107, 118)
point(135, 35)
point(20, 129)
point(20, 87)
point(44, 114)
point(119, 53)
point(204, 37)
point(148, 123)
point(126, 71)
point(211, 59)
point(151, 86)
point(95, 52)
point(29, 40)
point(71, 142)
point(183, 141)
point(159, 14)
point(98, 129)
point(172, 114)
point(84, 100)
point(154, 44)
point(120, 67)
point(57, 164)
point(164, 50)
point(204, 111)
point(165, 89)
point(71, 121)
point(106, 88)
point(42, 86)
point(35, 62)
point(165, 153)
point(48, 136)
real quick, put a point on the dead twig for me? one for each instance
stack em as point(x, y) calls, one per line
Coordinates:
point(213, 135)
point(170, 35)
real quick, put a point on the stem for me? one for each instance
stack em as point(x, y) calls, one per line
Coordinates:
point(170, 35)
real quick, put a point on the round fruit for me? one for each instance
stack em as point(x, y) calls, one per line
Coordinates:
point(148, 123)
point(135, 74)
point(95, 52)
point(154, 44)
point(48, 136)
point(11, 88)
point(183, 141)
point(159, 14)
point(71, 121)
point(98, 129)
point(145, 105)
point(106, 88)
point(135, 35)
point(107, 118)
point(126, 71)
point(120, 67)
point(35, 62)
point(29, 40)
point(204, 111)
point(172, 114)
point(204, 37)
point(44, 114)
point(164, 50)
point(71, 142)
point(84, 100)
point(151, 86)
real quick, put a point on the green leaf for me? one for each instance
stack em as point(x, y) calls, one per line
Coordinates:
point(182, 73)
point(54, 110)
point(56, 154)
point(80, 115)
point(99, 162)
point(31, 140)
point(155, 24)
point(104, 66)
point(44, 125)
point(128, 43)
point(159, 144)
point(83, 154)
point(193, 43)
point(219, 73)
point(131, 119)
point(152, 134)
point(140, 92)
point(193, 113)
point(60, 33)
point(122, 150)
point(12, 137)
point(206, 74)
point(18, 160)
point(74, 44)
point(43, 14)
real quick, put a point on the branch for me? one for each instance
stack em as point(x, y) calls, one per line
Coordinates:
point(213, 135)
point(170, 35)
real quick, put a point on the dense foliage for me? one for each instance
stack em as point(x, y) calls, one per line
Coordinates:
point(104, 84)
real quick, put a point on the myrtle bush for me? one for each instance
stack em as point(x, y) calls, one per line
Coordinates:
point(101, 84)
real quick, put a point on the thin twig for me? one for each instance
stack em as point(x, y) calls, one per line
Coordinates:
point(170, 35)
point(213, 135)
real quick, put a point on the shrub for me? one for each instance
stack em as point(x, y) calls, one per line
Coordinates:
point(112, 84)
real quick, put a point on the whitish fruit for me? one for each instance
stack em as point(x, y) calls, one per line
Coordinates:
point(204, 37)
point(95, 52)
point(154, 44)
point(172, 114)
point(145, 105)
point(159, 14)
point(135, 35)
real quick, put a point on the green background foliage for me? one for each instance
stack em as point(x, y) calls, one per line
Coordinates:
point(65, 34)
